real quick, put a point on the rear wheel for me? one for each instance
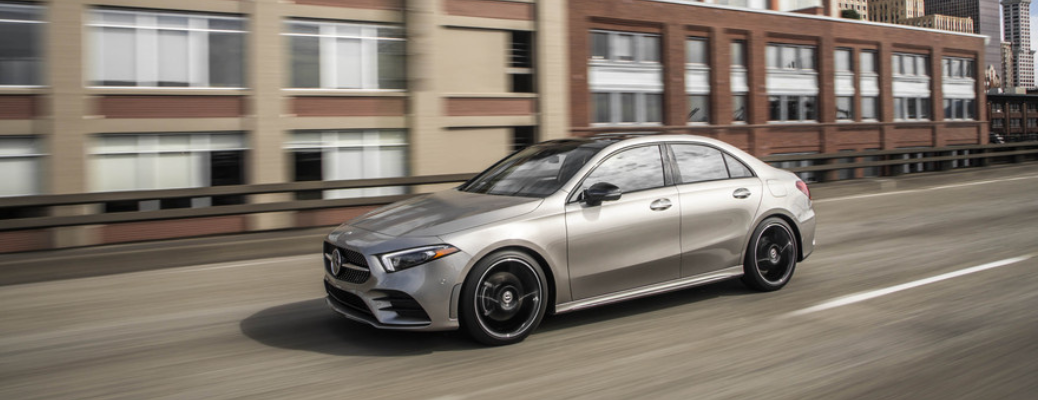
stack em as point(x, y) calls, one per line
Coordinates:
point(503, 298)
point(771, 256)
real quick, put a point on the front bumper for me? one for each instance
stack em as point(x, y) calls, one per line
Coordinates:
point(422, 298)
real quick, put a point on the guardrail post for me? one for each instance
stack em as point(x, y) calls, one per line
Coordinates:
point(75, 236)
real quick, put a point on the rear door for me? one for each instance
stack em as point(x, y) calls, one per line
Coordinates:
point(719, 198)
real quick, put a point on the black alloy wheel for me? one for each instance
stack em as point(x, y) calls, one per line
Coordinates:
point(771, 256)
point(504, 298)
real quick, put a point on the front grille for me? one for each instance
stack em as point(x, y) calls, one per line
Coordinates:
point(347, 299)
point(347, 274)
point(403, 305)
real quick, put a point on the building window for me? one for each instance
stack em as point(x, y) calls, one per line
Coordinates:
point(997, 123)
point(996, 107)
point(523, 137)
point(869, 105)
point(167, 161)
point(910, 65)
point(843, 60)
point(697, 80)
point(1014, 107)
point(696, 51)
point(1014, 123)
point(19, 166)
point(868, 61)
point(337, 55)
point(912, 108)
point(21, 29)
point(959, 109)
point(739, 107)
point(738, 50)
point(627, 108)
point(521, 64)
point(792, 108)
point(792, 83)
point(699, 108)
point(787, 56)
point(625, 47)
point(1032, 122)
point(955, 67)
point(167, 49)
point(330, 155)
point(845, 108)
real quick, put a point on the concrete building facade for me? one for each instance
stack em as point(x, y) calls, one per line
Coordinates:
point(861, 6)
point(126, 95)
point(895, 11)
point(1017, 28)
point(943, 22)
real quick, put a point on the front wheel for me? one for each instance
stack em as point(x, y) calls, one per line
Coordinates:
point(504, 298)
point(771, 256)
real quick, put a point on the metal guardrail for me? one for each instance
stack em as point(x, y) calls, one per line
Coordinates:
point(831, 160)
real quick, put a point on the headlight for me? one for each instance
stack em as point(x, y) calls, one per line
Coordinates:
point(405, 259)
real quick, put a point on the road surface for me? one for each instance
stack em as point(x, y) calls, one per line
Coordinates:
point(926, 291)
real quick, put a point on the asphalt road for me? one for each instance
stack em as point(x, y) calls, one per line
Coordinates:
point(889, 306)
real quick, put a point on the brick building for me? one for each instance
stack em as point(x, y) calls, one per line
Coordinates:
point(126, 95)
point(1014, 117)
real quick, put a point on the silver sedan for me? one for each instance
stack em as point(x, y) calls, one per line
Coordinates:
point(566, 225)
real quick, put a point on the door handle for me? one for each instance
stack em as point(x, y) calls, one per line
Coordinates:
point(660, 205)
point(741, 193)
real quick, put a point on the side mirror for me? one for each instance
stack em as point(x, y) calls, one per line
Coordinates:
point(600, 192)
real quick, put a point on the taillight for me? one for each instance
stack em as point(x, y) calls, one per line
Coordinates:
point(803, 188)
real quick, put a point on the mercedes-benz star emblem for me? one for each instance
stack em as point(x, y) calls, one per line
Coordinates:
point(336, 262)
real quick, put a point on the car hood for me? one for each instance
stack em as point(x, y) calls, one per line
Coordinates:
point(442, 213)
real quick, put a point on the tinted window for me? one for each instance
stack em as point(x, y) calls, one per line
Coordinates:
point(630, 170)
point(699, 163)
point(736, 168)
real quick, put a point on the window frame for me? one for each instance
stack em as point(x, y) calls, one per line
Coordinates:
point(578, 194)
point(369, 40)
point(638, 54)
point(641, 108)
point(147, 25)
point(330, 143)
point(35, 75)
point(796, 50)
point(802, 110)
point(675, 169)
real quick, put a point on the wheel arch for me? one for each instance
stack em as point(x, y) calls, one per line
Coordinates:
point(792, 224)
point(549, 273)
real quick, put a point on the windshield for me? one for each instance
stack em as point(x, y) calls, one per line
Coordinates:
point(536, 171)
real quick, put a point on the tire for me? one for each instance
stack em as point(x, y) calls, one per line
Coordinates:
point(504, 298)
point(771, 256)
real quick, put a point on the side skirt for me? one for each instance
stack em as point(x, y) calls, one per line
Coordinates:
point(643, 291)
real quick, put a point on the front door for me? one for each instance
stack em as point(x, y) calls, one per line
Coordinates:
point(630, 242)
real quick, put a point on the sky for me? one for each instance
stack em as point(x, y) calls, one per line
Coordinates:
point(1034, 24)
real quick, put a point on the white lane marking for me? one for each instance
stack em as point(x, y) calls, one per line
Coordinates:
point(860, 297)
point(249, 263)
point(960, 185)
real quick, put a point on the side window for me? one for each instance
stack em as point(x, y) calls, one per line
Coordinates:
point(699, 163)
point(736, 168)
point(631, 170)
